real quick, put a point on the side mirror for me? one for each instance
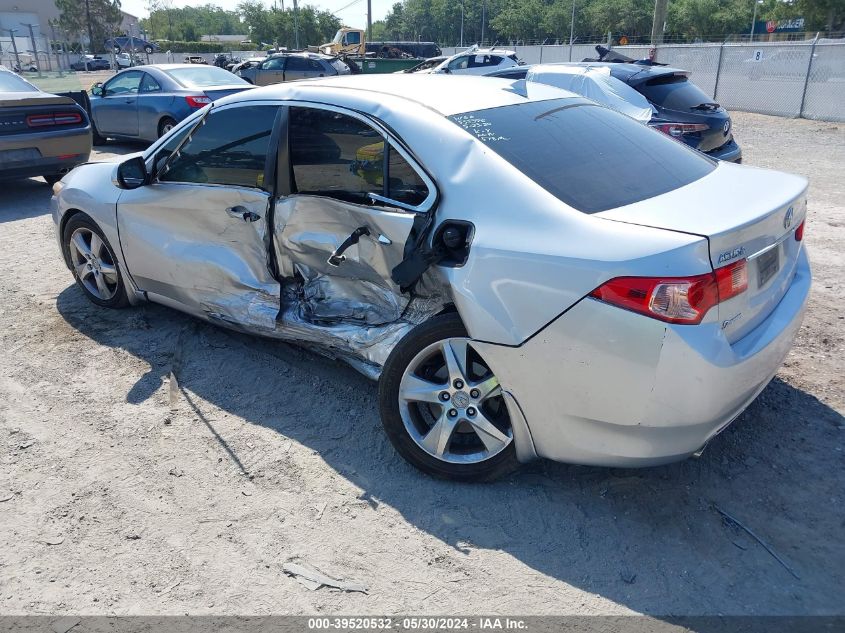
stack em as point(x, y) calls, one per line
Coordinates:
point(132, 174)
point(97, 90)
point(447, 71)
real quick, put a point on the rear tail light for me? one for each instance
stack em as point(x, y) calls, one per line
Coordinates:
point(799, 232)
point(679, 129)
point(57, 118)
point(198, 102)
point(675, 299)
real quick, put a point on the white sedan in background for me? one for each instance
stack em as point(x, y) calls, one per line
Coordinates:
point(526, 273)
point(477, 61)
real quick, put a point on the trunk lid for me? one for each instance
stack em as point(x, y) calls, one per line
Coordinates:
point(19, 99)
point(219, 92)
point(745, 213)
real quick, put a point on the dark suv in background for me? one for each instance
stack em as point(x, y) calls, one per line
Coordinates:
point(684, 111)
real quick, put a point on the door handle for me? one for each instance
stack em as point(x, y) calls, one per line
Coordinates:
point(242, 213)
point(337, 257)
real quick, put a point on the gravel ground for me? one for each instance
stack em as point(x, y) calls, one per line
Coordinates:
point(122, 492)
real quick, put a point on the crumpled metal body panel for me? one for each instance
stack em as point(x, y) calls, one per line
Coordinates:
point(308, 229)
point(180, 242)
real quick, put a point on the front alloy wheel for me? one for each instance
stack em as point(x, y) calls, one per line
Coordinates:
point(442, 406)
point(93, 263)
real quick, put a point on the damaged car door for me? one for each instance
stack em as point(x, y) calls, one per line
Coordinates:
point(197, 234)
point(347, 211)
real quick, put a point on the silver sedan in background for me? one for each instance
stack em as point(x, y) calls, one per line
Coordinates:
point(526, 273)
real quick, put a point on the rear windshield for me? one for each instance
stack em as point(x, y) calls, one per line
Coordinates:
point(204, 77)
point(13, 83)
point(674, 92)
point(590, 157)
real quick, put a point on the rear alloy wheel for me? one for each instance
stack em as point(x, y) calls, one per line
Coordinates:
point(165, 125)
point(442, 406)
point(93, 263)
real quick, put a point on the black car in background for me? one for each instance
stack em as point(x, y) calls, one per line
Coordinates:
point(91, 62)
point(684, 111)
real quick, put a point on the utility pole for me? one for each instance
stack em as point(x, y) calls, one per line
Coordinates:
point(90, 26)
point(34, 47)
point(753, 21)
point(659, 23)
point(296, 24)
point(54, 43)
point(572, 30)
point(369, 20)
point(462, 23)
point(14, 46)
point(483, 19)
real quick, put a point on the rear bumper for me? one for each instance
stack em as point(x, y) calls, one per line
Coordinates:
point(56, 153)
point(729, 152)
point(607, 387)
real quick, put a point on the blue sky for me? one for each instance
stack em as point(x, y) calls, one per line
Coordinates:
point(355, 15)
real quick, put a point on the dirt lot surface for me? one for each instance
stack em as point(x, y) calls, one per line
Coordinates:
point(123, 492)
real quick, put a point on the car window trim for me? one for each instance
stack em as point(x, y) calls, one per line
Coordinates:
point(390, 137)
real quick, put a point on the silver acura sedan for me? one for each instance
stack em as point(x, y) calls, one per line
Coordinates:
point(526, 273)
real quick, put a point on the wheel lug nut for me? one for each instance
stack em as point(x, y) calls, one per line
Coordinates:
point(475, 393)
point(444, 396)
point(452, 413)
point(471, 411)
point(459, 384)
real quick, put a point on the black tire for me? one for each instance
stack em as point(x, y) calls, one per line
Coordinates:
point(148, 50)
point(436, 329)
point(165, 125)
point(82, 221)
point(96, 139)
point(52, 179)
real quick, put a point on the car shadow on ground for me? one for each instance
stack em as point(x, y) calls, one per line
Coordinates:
point(30, 197)
point(602, 530)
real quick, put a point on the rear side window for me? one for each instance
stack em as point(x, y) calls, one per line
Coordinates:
point(338, 156)
point(229, 148)
point(13, 83)
point(590, 157)
point(674, 92)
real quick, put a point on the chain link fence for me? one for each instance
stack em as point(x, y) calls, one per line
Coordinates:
point(805, 79)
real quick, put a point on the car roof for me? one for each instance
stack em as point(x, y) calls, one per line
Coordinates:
point(444, 94)
point(628, 71)
point(486, 51)
point(307, 54)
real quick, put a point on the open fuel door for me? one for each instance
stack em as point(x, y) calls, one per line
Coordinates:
point(341, 226)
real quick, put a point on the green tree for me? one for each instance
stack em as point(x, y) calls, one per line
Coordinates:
point(95, 20)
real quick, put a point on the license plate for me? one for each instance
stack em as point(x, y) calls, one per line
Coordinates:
point(8, 156)
point(768, 265)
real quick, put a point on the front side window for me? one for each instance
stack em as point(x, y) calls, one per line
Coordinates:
point(353, 38)
point(590, 157)
point(338, 156)
point(229, 148)
point(460, 63)
point(124, 83)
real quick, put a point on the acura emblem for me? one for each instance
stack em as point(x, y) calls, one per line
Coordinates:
point(787, 219)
